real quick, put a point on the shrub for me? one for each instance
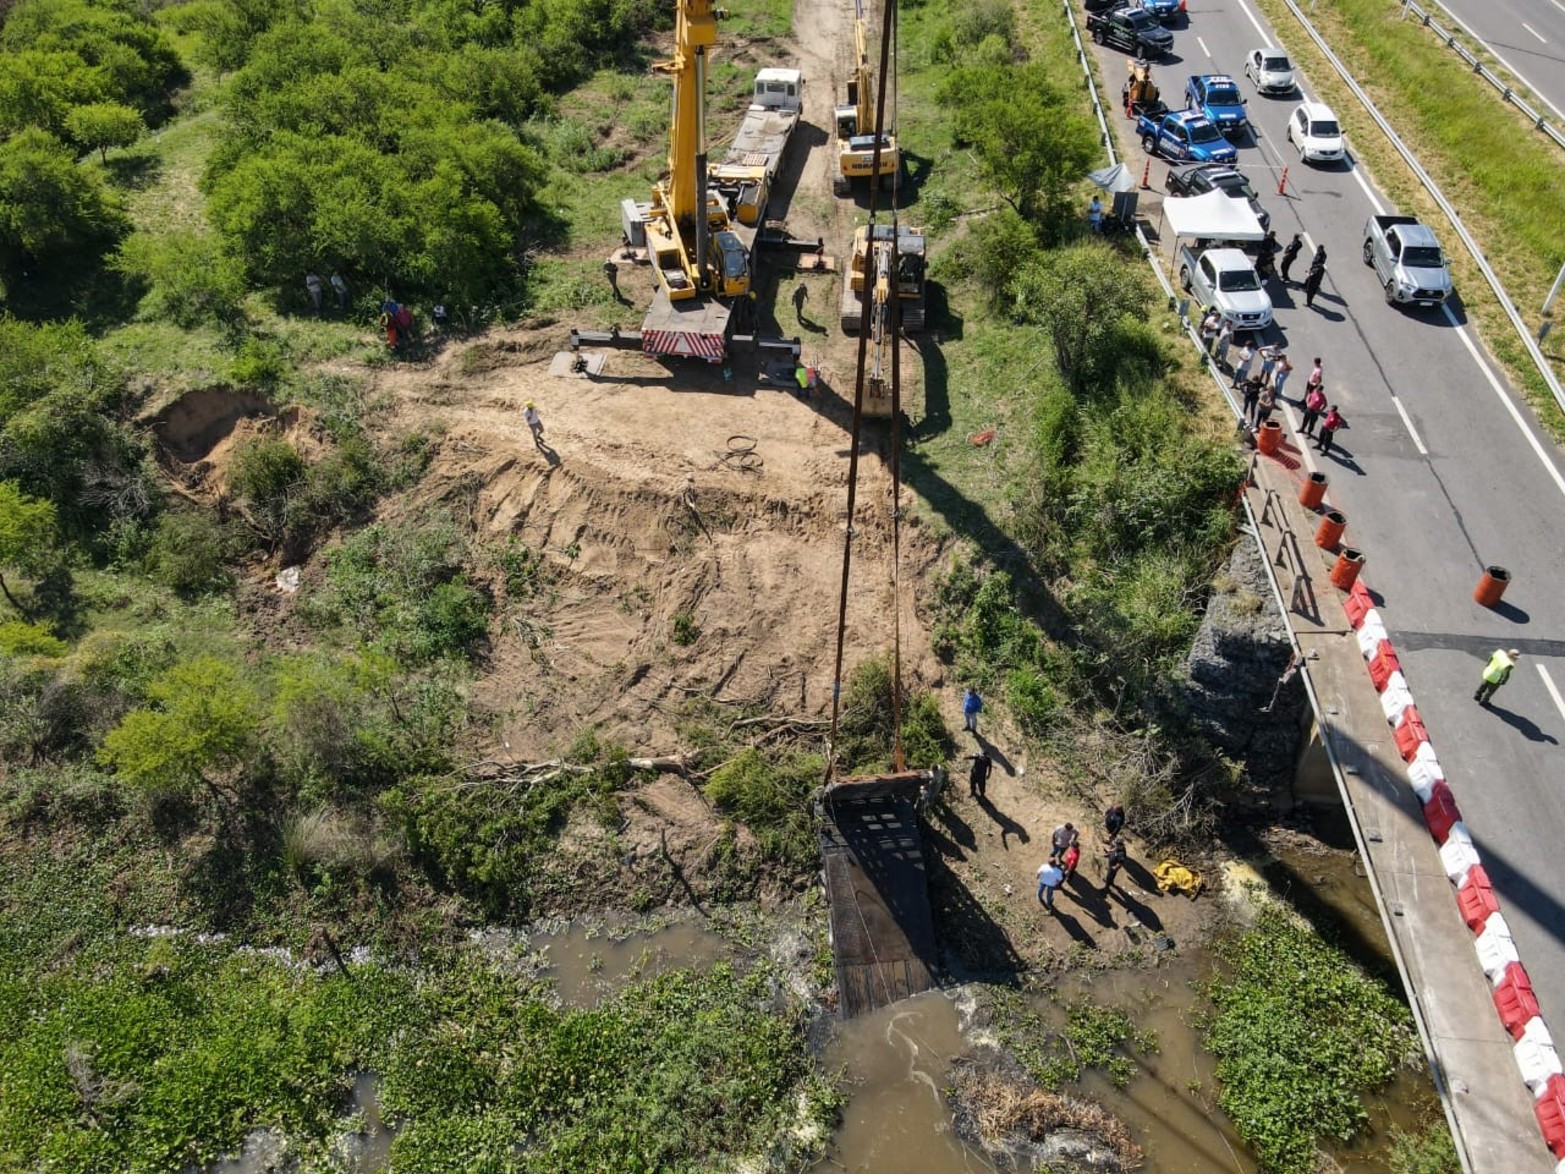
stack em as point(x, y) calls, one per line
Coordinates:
point(268, 474)
point(686, 631)
point(54, 215)
point(190, 552)
point(190, 280)
point(261, 362)
point(1032, 701)
point(203, 722)
point(772, 800)
point(19, 638)
point(98, 126)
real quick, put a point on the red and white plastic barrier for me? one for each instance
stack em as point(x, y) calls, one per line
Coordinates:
point(1537, 1059)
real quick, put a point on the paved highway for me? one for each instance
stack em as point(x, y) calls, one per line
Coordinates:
point(1442, 471)
point(1528, 36)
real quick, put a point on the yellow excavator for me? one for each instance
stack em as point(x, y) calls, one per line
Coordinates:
point(856, 123)
point(886, 274)
point(686, 221)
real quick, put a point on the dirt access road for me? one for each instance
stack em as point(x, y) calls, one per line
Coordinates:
point(640, 517)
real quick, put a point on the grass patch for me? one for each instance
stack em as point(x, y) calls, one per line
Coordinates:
point(1300, 1034)
point(1093, 1037)
point(1507, 181)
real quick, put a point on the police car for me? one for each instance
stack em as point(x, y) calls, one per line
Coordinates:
point(1217, 96)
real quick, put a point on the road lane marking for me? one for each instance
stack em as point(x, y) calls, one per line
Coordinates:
point(1543, 457)
point(1368, 194)
point(1548, 683)
point(1525, 25)
point(1411, 431)
point(1208, 52)
point(1558, 5)
point(1266, 37)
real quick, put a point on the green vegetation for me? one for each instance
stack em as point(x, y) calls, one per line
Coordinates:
point(155, 1053)
point(1300, 1032)
point(1430, 1150)
point(1092, 1037)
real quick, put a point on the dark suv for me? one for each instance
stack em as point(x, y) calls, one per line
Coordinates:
point(1197, 181)
point(1134, 30)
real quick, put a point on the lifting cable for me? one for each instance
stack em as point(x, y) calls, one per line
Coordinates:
point(887, 37)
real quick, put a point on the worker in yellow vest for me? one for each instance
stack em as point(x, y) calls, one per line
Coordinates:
point(1496, 673)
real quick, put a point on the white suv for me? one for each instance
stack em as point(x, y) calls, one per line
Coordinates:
point(1314, 129)
point(1225, 278)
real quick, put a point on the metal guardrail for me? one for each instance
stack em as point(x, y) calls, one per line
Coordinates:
point(1506, 88)
point(1433, 189)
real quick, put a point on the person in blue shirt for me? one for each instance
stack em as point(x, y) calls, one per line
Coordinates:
point(972, 706)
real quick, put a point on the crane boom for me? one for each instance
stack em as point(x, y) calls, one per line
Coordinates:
point(682, 215)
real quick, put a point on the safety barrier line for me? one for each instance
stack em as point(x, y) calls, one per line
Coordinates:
point(1434, 191)
point(1537, 1059)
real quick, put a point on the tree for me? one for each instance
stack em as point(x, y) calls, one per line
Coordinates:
point(1082, 296)
point(1031, 142)
point(52, 212)
point(190, 277)
point(27, 536)
point(101, 125)
point(204, 719)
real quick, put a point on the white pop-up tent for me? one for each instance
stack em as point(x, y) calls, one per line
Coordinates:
point(1213, 216)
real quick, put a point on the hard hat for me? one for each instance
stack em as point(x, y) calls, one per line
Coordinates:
point(530, 404)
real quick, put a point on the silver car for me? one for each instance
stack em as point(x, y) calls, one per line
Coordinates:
point(1226, 279)
point(1271, 71)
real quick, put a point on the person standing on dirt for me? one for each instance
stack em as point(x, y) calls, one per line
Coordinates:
point(1049, 878)
point(611, 271)
point(1065, 836)
point(1114, 855)
point(312, 283)
point(801, 294)
point(1114, 820)
point(972, 706)
point(978, 777)
point(1291, 254)
point(1496, 673)
point(1069, 859)
point(534, 422)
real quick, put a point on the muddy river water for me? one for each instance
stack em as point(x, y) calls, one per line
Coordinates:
point(896, 1063)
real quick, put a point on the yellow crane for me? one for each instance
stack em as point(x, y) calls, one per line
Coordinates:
point(856, 122)
point(684, 214)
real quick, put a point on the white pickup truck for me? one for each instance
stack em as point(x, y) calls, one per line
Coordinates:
point(1407, 258)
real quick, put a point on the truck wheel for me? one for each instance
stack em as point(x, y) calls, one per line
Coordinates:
point(1391, 293)
point(1184, 278)
point(1097, 34)
point(1149, 144)
point(841, 185)
point(1369, 254)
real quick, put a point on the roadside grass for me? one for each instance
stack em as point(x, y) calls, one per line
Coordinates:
point(1507, 181)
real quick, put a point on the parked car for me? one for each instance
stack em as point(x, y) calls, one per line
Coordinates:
point(1164, 11)
point(1315, 131)
point(1225, 278)
point(1271, 71)
point(1131, 29)
point(1197, 181)
point(1101, 5)
point(1406, 257)
point(1184, 134)
point(1217, 96)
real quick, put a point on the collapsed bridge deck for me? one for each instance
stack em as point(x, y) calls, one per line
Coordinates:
point(883, 936)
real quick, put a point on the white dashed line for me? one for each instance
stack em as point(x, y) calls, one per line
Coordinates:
point(1525, 25)
point(1543, 457)
point(1411, 431)
point(1266, 37)
point(1558, 5)
point(1368, 194)
point(1208, 52)
point(1548, 683)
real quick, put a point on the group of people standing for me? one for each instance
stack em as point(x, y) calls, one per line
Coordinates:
point(1267, 267)
point(1259, 374)
point(1065, 855)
